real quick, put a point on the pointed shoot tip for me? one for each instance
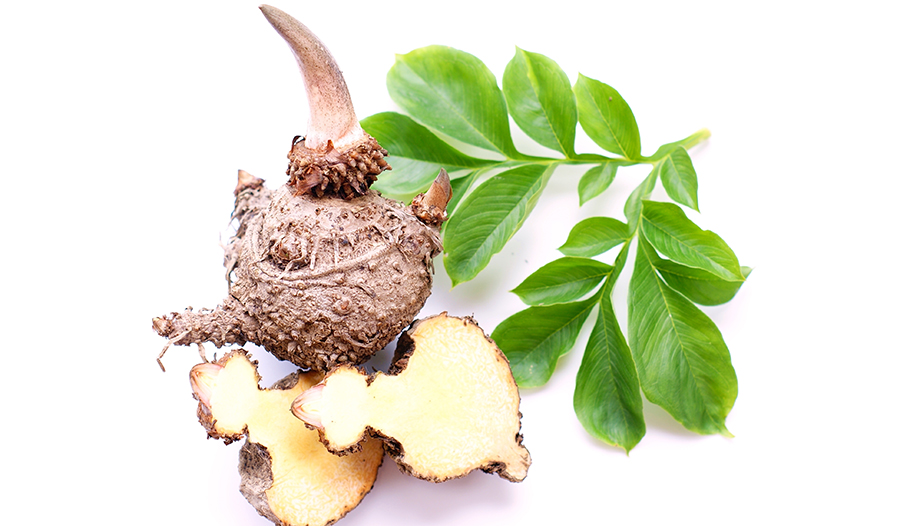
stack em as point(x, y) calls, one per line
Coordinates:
point(331, 114)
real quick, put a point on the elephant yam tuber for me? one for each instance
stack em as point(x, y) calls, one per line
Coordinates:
point(321, 271)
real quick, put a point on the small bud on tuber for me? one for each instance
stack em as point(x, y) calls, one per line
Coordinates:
point(247, 180)
point(431, 207)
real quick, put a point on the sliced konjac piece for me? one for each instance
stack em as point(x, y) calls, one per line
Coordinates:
point(286, 473)
point(448, 405)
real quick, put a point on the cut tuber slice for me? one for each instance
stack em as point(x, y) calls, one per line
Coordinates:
point(286, 474)
point(448, 405)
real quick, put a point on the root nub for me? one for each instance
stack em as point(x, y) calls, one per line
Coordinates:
point(228, 324)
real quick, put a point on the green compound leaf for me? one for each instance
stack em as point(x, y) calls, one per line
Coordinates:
point(595, 181)
point(454, 93)
point(483, 223)
point(534, 339)
point(594, 236)
point(675, 351)
point(566, 279)
point(671, 233)
point(606, 118)
point(607, 392)
point(679, 178)
point(541, 101)
point(681, 358)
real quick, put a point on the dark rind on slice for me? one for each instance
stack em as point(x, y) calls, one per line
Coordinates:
point(345, 172)
point(255, 467)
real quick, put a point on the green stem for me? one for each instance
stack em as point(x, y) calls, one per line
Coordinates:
point(695, 139)
point(589, 158)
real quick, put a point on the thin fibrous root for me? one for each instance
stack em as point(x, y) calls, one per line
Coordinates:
point(175, 341)
point(166, 348)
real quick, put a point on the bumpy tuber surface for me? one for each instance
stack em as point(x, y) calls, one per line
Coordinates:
point(321, 271)
point(286, 474)
point(448, 405)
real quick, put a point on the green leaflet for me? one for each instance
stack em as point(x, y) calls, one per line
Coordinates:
point(460, 187)
point(607, 396)
point(403, 137)
point(606, 118)
point(563, 280)
point(540, 100)
point(483, 223)
point(670, 232)
point(594, 236)
point(699, 286)
point(681, 358)
point(595, 181)
point(454, 92)
point(679, 178)
point(408, 178)
point(534, 339)
point(635, 202)
point(416, 155)
point(672, 347)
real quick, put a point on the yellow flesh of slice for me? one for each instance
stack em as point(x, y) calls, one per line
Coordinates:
point(453, 409)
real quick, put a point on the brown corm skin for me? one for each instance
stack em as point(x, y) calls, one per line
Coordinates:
point(316, 281)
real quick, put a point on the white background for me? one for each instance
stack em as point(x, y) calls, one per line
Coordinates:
point(122, 126)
